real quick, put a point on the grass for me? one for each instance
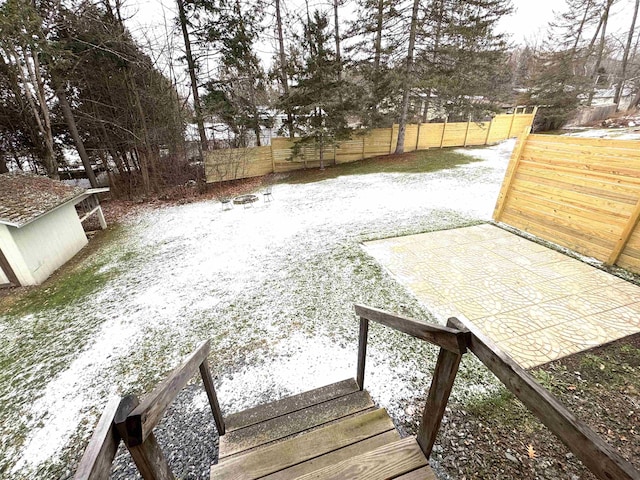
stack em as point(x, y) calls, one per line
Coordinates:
point(71, 284)
point(423, 161)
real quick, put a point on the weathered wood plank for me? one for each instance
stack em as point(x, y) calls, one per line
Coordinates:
point(383, 463)
point(207, 381)
point(598, 456)
point(447, 338)
point(146, 416)
point(96, 460)
point(290, 404)
point(281, 427)
point(336, 456)
point(283, 455)
point(148, 457)
point(441, 384)
point(424, 473)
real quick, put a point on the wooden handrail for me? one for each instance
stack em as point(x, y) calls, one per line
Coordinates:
point(97, 458)
point(598, 456)
point(445, 337)
point(143, 419)
point(453, 344)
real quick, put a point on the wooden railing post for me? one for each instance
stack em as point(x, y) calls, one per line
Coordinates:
point(362, 350)
point(97, 458)
point(207, 380)
point(441, 385)
point(147, 456)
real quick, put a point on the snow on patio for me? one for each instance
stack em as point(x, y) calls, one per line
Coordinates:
point(272, 286)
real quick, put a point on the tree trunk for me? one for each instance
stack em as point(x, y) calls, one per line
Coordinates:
point(283, 68)
point(625, 57)
point(337, 35)
point(408, 81)
point(3, 163)
point(377, 48)
point(434, 57)
point(73, 129)
point(192, 74)
point(603, 32)
point(574, 48)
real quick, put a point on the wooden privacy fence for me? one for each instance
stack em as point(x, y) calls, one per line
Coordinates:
point(581, 193)
point(237, 163)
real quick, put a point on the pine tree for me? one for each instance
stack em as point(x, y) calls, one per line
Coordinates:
point(238, 94)
point(319, 97)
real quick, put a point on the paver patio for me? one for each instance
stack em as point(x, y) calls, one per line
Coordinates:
point(537, 304)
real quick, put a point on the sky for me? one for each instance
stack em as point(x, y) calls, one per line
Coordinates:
point(150, 19)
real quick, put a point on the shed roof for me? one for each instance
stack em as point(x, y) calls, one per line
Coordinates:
point(25, 197)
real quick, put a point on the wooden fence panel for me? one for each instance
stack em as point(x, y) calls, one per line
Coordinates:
point(411, 138)
point(377, 142)
point(454, 134)
point(581, 193)
point(350, 150)
point(230, 164)
point(236, 163)
point(430, 135)
point(500, 129)
point(477, 134)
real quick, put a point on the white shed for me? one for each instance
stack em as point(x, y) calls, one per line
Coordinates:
point(40, 229)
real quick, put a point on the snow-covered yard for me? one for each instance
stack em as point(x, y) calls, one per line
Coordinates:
point(272, 286)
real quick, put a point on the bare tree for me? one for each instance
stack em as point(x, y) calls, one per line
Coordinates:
point(625, 56)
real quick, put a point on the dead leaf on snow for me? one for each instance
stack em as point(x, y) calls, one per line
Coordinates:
point(531, 452)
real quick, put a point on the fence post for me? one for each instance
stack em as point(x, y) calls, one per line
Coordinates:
point(513, 117)
point(486, 140)
point(444, 128)
point(273, 161)
point(625, 235)
point(511, 172)
point(418, 136)
point(466, 133)
point(391, 141)
point(363, 146)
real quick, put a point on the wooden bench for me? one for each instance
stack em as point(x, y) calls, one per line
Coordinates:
point(331, 432)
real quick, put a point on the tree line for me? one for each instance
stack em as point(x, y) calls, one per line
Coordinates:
point(72, 75)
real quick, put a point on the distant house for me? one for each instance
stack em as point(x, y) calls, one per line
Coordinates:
point(40, 228)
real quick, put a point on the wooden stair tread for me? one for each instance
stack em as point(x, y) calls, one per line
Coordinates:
point(299, 421)
point(311, 451)
point(390, 461)
point(290, 404)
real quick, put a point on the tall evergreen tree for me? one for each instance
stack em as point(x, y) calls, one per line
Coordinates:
point(238, 94)
point(319, 96)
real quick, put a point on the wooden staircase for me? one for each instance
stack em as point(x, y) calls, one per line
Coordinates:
point(327, 433)
point(335, 432)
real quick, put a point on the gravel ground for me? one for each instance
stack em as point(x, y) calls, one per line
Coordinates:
point(272, 286)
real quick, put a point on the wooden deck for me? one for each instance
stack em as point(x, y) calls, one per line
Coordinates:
point(333, 432)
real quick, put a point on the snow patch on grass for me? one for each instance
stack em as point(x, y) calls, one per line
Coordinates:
point(272, 286)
